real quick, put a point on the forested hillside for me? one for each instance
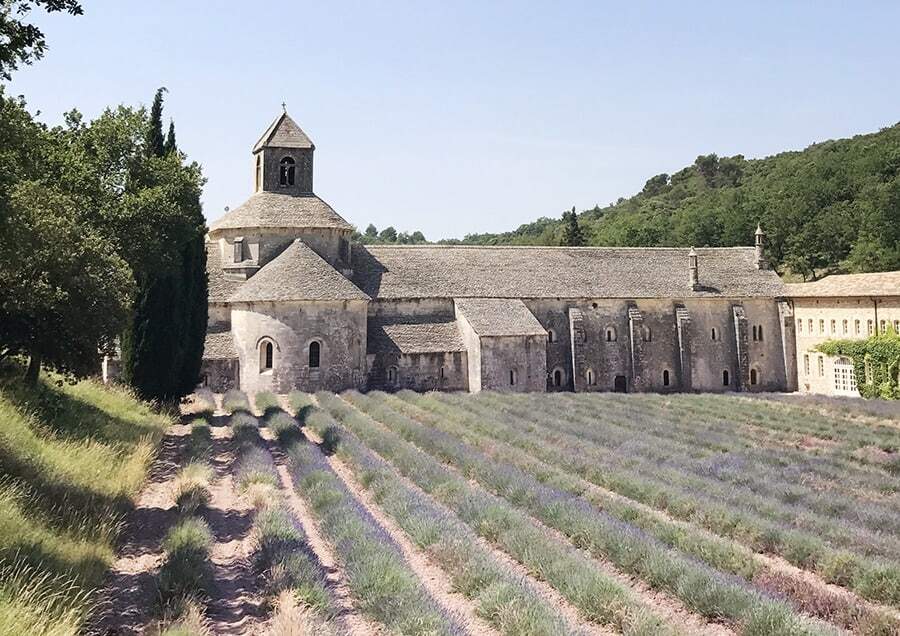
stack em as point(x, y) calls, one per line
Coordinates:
point(833, 207)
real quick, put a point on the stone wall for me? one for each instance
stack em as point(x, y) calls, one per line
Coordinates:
point(220, 375)
point(680, 342)
point(339, 327)
point(419, 371)
point(263, 245)
point(524, 356)
point(472, 342)
point(271, 170)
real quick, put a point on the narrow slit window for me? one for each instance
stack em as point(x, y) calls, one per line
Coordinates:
point(315, 354)
point(666, 377)
point(726, 379)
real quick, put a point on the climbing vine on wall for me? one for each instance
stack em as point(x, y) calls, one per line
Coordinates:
point(876, 362)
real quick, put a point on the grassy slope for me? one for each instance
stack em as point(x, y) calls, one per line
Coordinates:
point(72, 457)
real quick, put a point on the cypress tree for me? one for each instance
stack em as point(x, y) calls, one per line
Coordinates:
point(162, 351)
point(169, 146)
point(572, 236)
point(155, 144)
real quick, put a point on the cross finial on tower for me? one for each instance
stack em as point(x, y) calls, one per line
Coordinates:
point(283, 106)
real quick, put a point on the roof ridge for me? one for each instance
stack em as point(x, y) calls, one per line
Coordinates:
point(549, 247)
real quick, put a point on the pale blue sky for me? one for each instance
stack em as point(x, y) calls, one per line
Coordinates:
point(457, 117)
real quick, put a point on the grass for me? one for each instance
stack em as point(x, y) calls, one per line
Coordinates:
point(234, 401)
point(185, 570)
point(190, 488)
point(200, 442)
point(72, 457)
point(266, 403)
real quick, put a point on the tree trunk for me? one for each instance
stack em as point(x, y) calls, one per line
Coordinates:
point(34, 368)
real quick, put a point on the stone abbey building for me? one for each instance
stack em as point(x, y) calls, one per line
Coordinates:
point(295, 305)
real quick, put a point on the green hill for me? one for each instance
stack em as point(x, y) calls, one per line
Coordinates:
point(72, 457)
point(833, 207)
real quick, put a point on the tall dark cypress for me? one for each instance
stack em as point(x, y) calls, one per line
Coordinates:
point(163, 350)
point(155, 143)
point(169, 146)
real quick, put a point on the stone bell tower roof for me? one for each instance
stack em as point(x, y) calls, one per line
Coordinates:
point(283, 133)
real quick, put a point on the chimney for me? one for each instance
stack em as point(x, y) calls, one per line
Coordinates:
point(761, 262)
point(695, 274)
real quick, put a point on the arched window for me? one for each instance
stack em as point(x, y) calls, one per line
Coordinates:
point(513, 377)
point(559, 377)
point(759, 332)
point(870, 327)
point(392, 376)
point(287, 172)
point(754, 333)
point(611, 335)
point(590, 378)
point(648, 335)
point(714, 334)
point(845, 326)
point(266, 355)
point(726, 379)
point(258, 173)
point(799, 325)
point(551, 335)
point(753, 376)
point(666, 377)
point(315, 354)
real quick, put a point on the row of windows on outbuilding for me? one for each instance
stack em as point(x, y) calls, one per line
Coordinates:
point(845, 326)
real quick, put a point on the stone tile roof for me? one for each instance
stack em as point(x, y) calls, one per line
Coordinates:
point(421, 334)
point(298, 273)
point(278, 210)
point(874, 284)
point(283, 133)
point(557, 272)
point(499, 317)
point(219, 345)
point(220, 286)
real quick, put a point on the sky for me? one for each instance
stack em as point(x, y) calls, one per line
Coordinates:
point(457, 117)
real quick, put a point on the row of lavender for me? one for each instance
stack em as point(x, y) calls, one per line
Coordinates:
point(381, 582)
point(446, 516)
point(625, 452)
point(523, 451)
point(704, 589)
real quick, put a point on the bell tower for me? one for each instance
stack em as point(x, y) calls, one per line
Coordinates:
point(283, 159)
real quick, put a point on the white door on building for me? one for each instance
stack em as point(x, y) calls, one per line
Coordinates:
point(844, 377)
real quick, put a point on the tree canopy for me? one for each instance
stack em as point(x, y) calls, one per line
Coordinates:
point(22, 42)
point(831, 208)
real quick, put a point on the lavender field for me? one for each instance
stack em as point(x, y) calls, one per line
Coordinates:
point(537, 514)
point(646, 513)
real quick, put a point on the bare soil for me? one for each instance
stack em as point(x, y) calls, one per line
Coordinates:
point(130, 592)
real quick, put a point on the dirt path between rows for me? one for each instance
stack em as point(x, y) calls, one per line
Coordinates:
point(349, 618)
point(669, 608)
point(130, 592)
point(235, 605)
